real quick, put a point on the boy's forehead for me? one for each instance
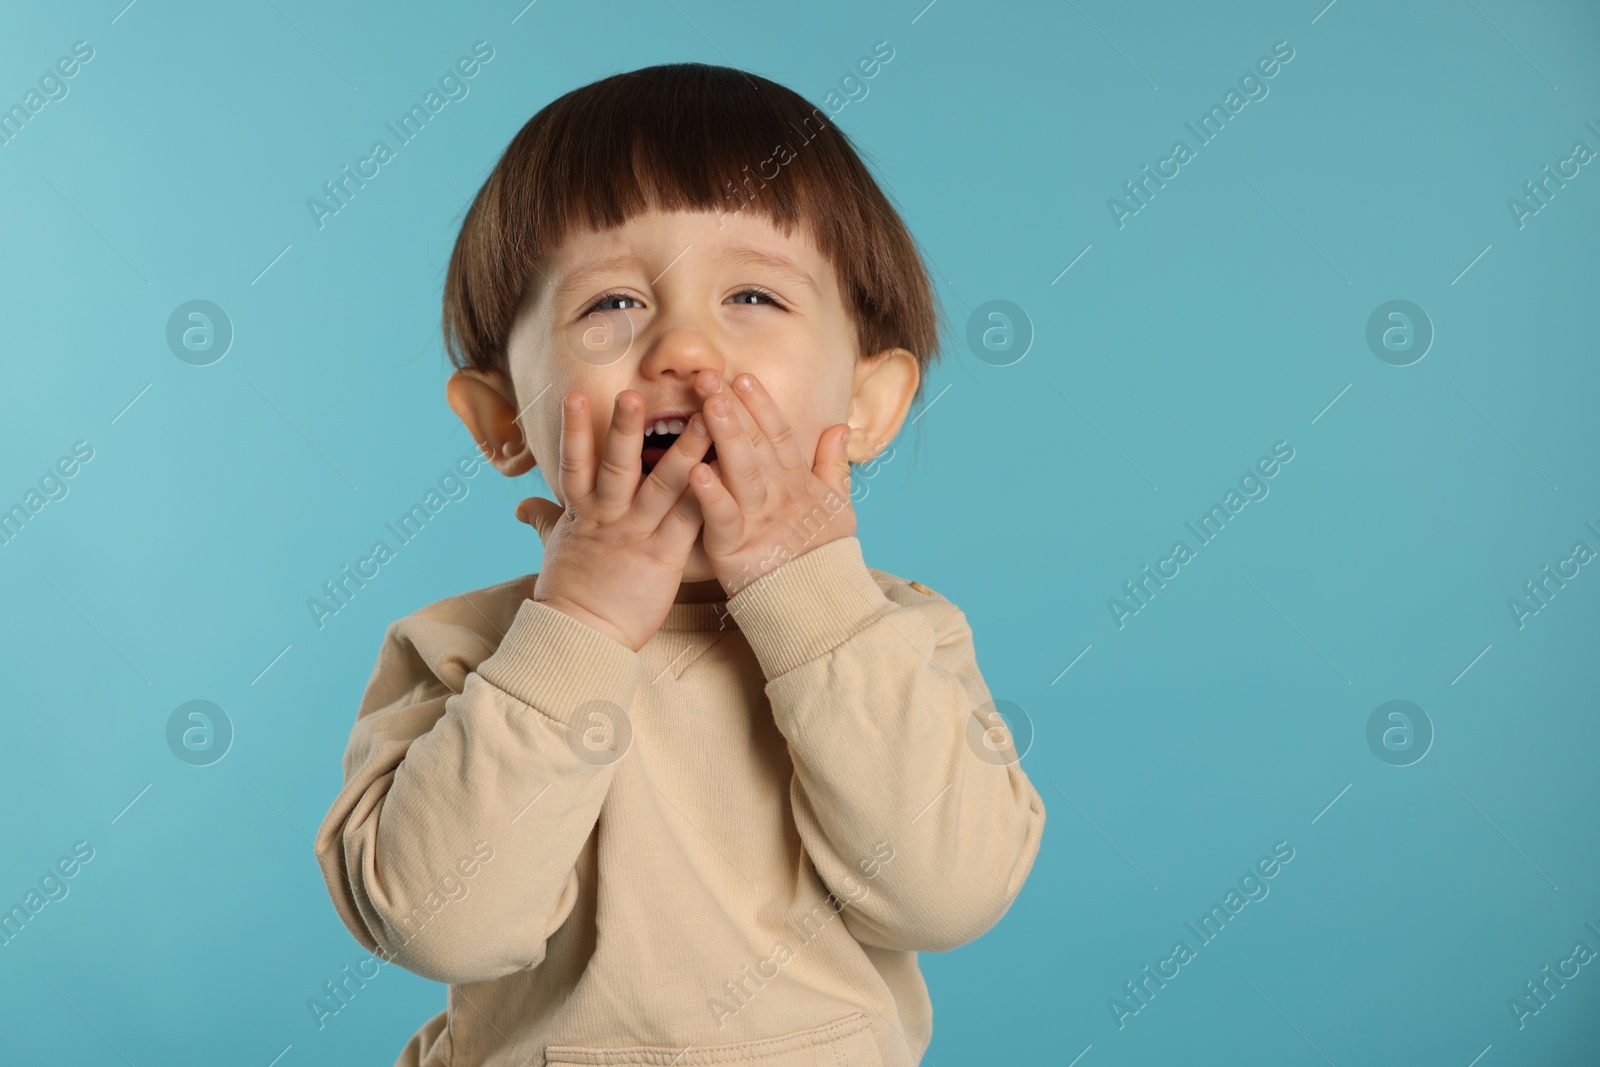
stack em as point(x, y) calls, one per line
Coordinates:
point(673, 237)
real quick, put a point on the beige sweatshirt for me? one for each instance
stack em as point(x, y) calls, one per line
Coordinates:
point(724, 849)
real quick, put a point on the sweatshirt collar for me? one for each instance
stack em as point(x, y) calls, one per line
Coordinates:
point(706, 615)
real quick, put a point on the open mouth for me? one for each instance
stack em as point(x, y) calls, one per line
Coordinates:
point(660, 436)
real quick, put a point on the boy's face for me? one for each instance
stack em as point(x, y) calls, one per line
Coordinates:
point(649, 304)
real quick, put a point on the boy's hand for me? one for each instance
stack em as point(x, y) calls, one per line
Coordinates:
point(771, 504)
point(614, 556)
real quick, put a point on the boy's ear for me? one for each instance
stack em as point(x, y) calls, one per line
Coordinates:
point(487, 404)
point(885, 384)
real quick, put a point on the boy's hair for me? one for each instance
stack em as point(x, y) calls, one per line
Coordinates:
point(683, 136)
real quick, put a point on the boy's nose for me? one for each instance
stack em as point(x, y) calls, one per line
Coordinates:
point(679, 353)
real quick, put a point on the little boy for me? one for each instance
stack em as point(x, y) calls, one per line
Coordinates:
point(699, 790)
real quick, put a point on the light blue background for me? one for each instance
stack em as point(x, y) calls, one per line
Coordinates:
point(1227, 715)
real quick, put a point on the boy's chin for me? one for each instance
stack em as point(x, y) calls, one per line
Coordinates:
point(698, 566)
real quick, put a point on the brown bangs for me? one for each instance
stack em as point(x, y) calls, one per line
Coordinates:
point(683, 137)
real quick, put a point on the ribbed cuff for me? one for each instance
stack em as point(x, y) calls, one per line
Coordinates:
point(808, 606)
point(555, 663)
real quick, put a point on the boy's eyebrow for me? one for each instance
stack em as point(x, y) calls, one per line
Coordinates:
point(780, 264)
point(775, 262)
point(578, 278)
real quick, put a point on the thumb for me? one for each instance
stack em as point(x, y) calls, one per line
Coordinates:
point(833, 460)
point(541, 514)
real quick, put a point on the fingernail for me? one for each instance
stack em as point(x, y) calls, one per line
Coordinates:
point(744, 383)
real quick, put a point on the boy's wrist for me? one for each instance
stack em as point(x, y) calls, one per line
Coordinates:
point(582, 614)
point(559, 664)
point(736, 582)
point(808, 606)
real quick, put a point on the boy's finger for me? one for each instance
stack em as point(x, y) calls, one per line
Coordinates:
point(709, 385)
point(833, 458)
point(723, 516)
point(669, 478)
point(618, 476)
point(769, 419)
point(682, 523)
point(765, 455)
point(577, 447)
point(736, 456)
point(541, 514)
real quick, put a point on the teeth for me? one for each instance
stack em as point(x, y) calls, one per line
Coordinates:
point(665, 426)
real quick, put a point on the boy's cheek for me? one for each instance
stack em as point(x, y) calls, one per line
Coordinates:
point(599, 339)
point(697, 568)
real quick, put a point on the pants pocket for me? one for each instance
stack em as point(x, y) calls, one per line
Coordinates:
point(844, 1042)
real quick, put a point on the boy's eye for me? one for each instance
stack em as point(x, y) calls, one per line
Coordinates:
point(616, 301)
point(611, 298)
point(760, 294)
point(751, 296)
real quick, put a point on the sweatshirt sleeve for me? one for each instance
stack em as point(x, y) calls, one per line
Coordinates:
point(451, 848)
point(924, 830)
